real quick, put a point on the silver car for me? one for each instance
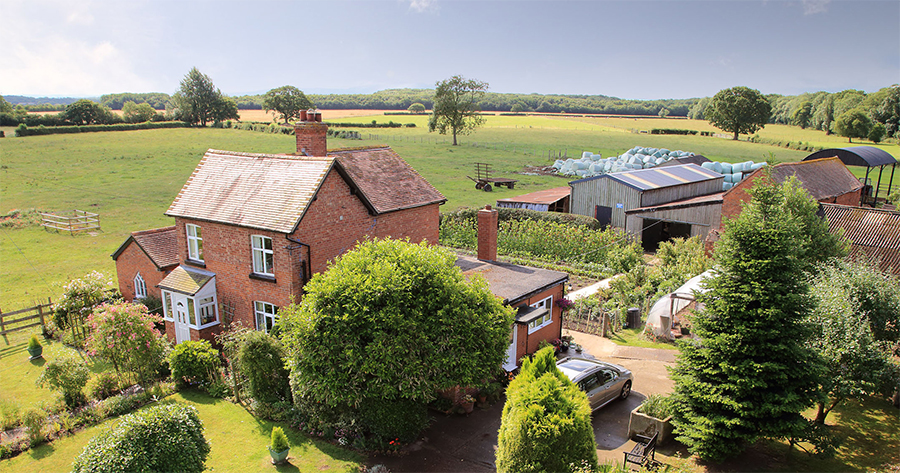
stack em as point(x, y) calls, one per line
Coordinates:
point(602, 382)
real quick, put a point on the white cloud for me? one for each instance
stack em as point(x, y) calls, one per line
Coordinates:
point(421, 6)
point(80, 18)
point(811, 7)
point(60, 66)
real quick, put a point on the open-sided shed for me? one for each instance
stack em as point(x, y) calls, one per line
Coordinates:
point(547, 200)
point(868, 156)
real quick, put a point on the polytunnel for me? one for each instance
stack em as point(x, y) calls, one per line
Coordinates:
point(664, 310)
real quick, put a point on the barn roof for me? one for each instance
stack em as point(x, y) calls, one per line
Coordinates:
point(158, 244)
point(822, 178)
point(512, 282)
point(874, 232)
point(709, 199)
point(692, 159)
point(546, 196)
point(868, 156)
point(657, 178)
point(273, 191)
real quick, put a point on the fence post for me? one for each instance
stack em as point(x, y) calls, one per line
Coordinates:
point(2, 325)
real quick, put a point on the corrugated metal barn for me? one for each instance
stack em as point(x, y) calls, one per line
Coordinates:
point(609, 196)
point(548, 200)
point(683, 218)
point(871, 232)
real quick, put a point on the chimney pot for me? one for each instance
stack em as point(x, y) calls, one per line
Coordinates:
point(303, 115)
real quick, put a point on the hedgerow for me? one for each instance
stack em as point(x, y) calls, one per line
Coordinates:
point(24, 130)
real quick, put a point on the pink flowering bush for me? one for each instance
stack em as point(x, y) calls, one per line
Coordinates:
point(123, 334)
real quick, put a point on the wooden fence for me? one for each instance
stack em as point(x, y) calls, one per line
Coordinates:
point(80, 221)
point(593, 321)
point(31, 313)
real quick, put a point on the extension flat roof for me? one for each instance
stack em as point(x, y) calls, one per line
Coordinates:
point(546, 196)
point(512, 282)
point(657, 178)
point(868, 156)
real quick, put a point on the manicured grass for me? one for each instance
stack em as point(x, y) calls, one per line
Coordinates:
point(237, 438)
point(18, 373)
point(631, 337)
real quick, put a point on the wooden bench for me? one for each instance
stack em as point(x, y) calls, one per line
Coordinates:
point(644, 449)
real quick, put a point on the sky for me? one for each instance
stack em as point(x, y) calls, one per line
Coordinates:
point(637, 49)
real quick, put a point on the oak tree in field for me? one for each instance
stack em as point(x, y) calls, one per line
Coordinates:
point(417, 107)
point(85, 112)
point(385, 328)
point(750, 373)
point(286, 101)
point(199, 101)
point(738, 110)
point(137, 113)
point(456, 106)
point(853, 124)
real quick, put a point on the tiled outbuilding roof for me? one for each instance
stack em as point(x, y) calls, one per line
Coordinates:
point(273, 191)
point(512, 282)
point(874, 232)
point(159, 244)
point(385, 181)
point(822, 178)
point(546, 196)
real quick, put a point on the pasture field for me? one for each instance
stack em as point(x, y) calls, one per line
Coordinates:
point(130, 178)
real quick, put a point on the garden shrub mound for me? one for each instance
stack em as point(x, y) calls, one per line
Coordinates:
point(262, 363)
point(194, 362)
point(162, 438)
point(546, 421)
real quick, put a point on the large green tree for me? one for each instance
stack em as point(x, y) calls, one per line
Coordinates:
point(286, 101)
point(456, 106)
point(738, 110)
point(853, 123)
point(199, 101)
point(803, 115)
point(138, 113)
point(5, 107)
point(546, 421)
point(386, 327)
point(888, 111)
point(85, 112)
point(750, 373)
point(856, 318)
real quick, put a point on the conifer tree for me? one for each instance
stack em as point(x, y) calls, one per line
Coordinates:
point(750, 374)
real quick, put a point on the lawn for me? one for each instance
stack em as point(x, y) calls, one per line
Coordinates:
point(130, 178)
point(237, 438)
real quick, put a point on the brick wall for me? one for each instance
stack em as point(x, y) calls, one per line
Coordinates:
point(311, 136)
point(488, 227)
point(332, 225)
point(129, 263)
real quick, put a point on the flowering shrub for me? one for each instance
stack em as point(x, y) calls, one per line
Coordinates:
point(124, 335)
point(80, 296)
point(564, 304)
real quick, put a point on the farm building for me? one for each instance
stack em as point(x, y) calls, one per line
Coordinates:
point(826, 180)
point(692, 159)
point(874, 233)
point(868, 156)
point(534, 292)
point(548, 200)
point(683, 218)
point(608, 197)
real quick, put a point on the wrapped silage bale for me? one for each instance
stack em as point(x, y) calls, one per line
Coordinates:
point(708, 165)
point(596, 168)
point(727, 185)
point(581, 165)
point(757, 166)
point(649, 165)
point(586, 154)
point(581, 173)
point(736, 177)
point(664, 151)
point(660, 161)
point(729, 178)
point(596, 157)
point(726, 168)
point(717, 167)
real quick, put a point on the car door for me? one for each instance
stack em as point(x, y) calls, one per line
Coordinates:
point(608, 380)
point(592, 387)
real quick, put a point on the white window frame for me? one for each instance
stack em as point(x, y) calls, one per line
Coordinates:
point(194, 241)
point(140, 286)
point(211, 305)
point(261, 313)
point(168, 303)
point(539, 323)
point(261, 255)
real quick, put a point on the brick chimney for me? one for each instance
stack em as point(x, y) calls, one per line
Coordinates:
point(310, 133)
point(488, 227)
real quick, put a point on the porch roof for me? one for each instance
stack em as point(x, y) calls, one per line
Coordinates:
point(186, 280)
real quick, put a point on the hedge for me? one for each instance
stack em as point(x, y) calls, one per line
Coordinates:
point(23, 130)
point(504, 214)
point(672, 131)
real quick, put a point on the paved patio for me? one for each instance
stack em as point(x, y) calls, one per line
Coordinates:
point(467, 443)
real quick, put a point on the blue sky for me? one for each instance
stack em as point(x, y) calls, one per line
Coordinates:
point(640, 49)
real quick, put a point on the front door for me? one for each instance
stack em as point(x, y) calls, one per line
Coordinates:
point(182, 329)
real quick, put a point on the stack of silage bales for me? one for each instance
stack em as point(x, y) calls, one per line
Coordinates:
point(733, 172)
point(638, 157)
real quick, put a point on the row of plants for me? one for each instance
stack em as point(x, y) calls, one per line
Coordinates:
point(556, 238)
point(671, 131)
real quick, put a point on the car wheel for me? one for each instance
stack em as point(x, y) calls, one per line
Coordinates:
point(626, 390)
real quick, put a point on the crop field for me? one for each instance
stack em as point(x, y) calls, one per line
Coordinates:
point(130, 178)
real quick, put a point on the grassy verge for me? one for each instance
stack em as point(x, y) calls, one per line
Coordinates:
point(632, 337)
point(238, 443)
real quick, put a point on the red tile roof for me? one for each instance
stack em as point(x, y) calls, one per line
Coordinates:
point(158, 243)
point(822, 178)
point(385, 181)
point(546, 196)
point(273, 191)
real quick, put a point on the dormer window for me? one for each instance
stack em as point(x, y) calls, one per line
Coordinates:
point(140, 287)
point(263, 256)
point(194, 242)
